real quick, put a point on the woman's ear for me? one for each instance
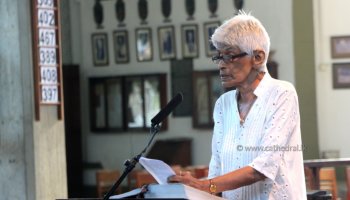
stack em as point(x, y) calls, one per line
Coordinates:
point(259, 58)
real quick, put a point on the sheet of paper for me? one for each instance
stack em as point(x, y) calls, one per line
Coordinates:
point(127, 194)
point(158, 169)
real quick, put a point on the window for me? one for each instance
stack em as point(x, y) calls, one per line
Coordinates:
point(126, 103)
point(207, 89)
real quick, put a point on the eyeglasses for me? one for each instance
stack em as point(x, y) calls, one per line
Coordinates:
point(227, 58)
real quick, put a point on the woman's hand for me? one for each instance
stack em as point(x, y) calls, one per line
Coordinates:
point(186, 178)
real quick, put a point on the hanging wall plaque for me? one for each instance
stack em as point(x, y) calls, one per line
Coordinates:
point(213, 6)
point(166, 10)
point(143, 10)
point(98, 14)
point(238, 4)
point(47, 60)
point(190, 7)
point(120, 12)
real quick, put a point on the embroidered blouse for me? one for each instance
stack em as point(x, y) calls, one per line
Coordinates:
point(269, 140)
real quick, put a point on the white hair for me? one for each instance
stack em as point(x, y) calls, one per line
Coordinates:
point(242, 31)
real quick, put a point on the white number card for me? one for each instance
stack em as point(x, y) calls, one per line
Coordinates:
point(46, 27)
point(49, 94)
point(47, 37)
point(46, 18)
point(47, 56)
point(48, 75)
point(45, 3)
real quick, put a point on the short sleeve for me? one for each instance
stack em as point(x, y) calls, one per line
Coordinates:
point(281, 123)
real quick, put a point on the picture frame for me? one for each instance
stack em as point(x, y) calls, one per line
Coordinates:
point(189, 37)
point(99, 43)
point(121, 46)
point(144, 48)
point(341, 75)
point(166, 42)
point(340, 46)
point(209, 28)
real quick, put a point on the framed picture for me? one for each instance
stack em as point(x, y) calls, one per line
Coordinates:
point(121, 46)
point(340, 46)
point(209, 29)
point(144, 50)
point(341, 75)
point(100, 49)
point(166, 37)
point(189, 35)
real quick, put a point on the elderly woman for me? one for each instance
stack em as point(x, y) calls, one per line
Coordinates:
point(256, 145)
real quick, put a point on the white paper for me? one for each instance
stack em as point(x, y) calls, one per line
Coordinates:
point(158, 169)
point(127, 194)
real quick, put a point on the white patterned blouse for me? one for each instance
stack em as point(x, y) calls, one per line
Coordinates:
point(269, 140)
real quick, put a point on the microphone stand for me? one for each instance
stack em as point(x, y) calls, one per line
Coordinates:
point(130, 165)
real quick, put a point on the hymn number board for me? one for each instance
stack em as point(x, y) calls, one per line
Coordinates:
point(47, 54)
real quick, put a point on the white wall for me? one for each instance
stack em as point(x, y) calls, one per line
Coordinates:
point(331, 19)
point(113, 149)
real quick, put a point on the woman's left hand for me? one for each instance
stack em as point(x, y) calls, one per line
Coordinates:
point(186, 178)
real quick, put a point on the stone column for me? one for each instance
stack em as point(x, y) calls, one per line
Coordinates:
point(32, 153)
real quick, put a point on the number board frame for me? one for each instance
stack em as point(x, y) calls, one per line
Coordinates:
point(47, 60)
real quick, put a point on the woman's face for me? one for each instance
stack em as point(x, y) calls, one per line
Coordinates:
point(235, 71)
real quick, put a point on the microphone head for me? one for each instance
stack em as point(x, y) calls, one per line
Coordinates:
point(174, 102)
point(178, 97)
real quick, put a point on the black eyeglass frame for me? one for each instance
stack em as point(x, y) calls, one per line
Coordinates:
point(227, 58)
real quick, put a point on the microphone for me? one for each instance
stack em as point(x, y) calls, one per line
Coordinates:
point(167, 109)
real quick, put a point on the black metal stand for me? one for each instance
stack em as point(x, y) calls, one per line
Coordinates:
point(130, 165)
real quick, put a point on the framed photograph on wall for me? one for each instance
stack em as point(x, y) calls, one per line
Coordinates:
point(144, 50)
point(340, 46)
point(209, 28)
point(166, 41)
point(121, 46)
point(100, 49)
point(341, 75)
point(189, 36)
